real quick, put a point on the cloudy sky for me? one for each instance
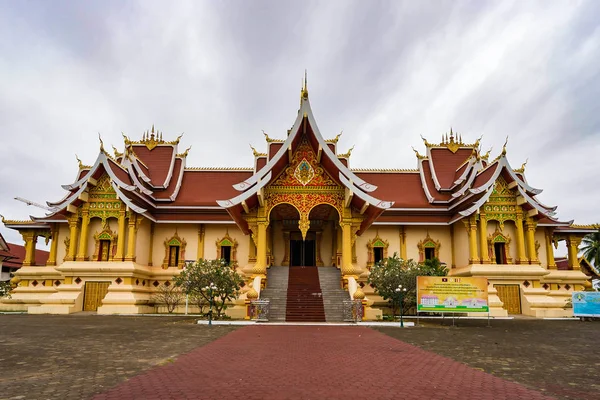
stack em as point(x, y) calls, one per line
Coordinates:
point(383, 72)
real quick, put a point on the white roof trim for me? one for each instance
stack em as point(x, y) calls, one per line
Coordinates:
point(245, 195)
point(365, 196)
point(433, 174)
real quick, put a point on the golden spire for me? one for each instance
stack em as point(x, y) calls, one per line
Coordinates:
point(117, 154)
point(304, 91)
point(504, 147)
point(185, 153)
point(101, 143)
point(487, 155)
point(420, 157)
point(79, 161)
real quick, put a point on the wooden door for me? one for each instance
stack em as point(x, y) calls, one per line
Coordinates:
point(93, 295)
point(511, 298)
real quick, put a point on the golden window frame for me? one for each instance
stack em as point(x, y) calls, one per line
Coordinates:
point(499, 237)
point(429, 243)
point(175, 240)
point(105, 234)
point(376, 242)
point(227, 241)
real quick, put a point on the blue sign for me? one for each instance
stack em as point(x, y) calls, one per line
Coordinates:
point(586, 304)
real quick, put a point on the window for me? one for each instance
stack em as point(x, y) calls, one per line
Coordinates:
point(429, 253)
point(173, 256)
point(378, 253)
point(226, 253)
point(500, 253)
point(103, 254)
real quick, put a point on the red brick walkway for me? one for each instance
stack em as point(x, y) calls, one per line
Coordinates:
point(314, 362)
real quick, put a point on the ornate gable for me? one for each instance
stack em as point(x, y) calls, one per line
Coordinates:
point(103, 200)
point(502, 204)
point(304, 169)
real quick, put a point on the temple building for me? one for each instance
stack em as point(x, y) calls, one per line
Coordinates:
point(130, 221)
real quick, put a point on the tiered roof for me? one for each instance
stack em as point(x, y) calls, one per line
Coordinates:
point(452, 181)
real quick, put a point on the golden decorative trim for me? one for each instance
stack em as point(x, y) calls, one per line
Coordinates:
point(522, 169)
point(592, 226)
point(347, 154)
point(428, 243)
point(219, 169)
point(117, 154)
point(499, 237)
point(452, 142)
point(151, 139)
point(377, 242)
point(227, 241)
point(175, 240)
point(105, 234)
point(335, 139)
point(383, 170)
point(256, 153)
point(271, 140)
point(184, 154)
point(419, 156)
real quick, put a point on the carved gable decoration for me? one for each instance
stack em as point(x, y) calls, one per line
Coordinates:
point(375, 243)
point(502, 204)
point(304, 170)
point(428, 243)
point(178, 242)
point(227, 241)
point(105, 234)
point(103, 200)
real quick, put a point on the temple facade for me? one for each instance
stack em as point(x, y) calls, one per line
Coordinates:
point(130, 221)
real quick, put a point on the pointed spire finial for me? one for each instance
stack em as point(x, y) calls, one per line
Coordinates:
point(101, 143)
point(304, 91)
point(79, 161)
point(451, 135)
point(152, 128)
point(504, 147)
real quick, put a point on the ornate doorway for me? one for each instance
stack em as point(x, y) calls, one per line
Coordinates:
point(302, 252)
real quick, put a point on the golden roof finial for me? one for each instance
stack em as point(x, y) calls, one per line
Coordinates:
point(125, 138)
point(304, 91)
point(419, 156)
point(79, 161)
point(256, 153)
point(335, 139)
point(347, 154)
point(3, 220)
point(101, 143)
point(152, 128)
point(504, 147)
point(451, 136)
point(425, 141)
point(178, 138)
point(117, 154)
point(487, 155)
point(185, 153)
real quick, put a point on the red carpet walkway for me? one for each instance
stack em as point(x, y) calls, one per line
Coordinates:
point(314, 362)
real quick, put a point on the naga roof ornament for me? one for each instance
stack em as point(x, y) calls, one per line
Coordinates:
point(151, 139)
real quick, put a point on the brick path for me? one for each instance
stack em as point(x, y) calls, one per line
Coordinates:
point(312, 362)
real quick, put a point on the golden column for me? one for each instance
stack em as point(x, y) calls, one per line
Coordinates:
point(402, 234)
point(339, 242)
point(30, 239)
point(521, 259)
point(121, 238)
point(53, 246)
point(72, 238)
point(201, 233)
point(485, 254)
point(473, 253)
point(260, 268)
point(251, 248)
point(572, 249)
point(131, 237)
point(347, 267)
point(83, 236)
point(530, 226)
point(549, 249)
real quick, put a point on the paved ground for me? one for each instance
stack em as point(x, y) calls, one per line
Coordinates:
point(560, 358)
point(75, 357)
point(315, 362)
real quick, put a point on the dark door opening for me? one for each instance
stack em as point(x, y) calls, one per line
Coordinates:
point(378, 254)
point(500, 253)
point(103, 254)
point(302, 253)
point(226, 253)
point(429, 253)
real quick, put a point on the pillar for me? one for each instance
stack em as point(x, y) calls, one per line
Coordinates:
point(550, 249)
point(151, 247)
point(473, 253)
point(30, 239)
point(131, 238)
point(485, 254)
point(347, 267)
point(252, 248)
point(521, 259)
point(338, 250)
point(319, 260)
point(83, 236)
point(572, 249)
point(403, 242)
point(121, 238)
point(201, 232)
point(53, 246)
point(530, 238)
point(260, 268)
point(72, 239)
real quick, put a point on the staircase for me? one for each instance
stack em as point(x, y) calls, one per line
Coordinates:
point(276, 292)
point(304, 301)
point(332, 293)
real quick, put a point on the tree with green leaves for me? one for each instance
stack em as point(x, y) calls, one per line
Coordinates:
point(393, 271)
point(5, 288)
point(591, 248)
point(197, 278)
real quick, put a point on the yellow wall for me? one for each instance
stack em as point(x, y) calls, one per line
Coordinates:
point(63, 233)
point(216, 232)
point(326, 243)
point(389, 233)
point(540, 236)
point(415, 234)
point(461, 244)
point(142, 243)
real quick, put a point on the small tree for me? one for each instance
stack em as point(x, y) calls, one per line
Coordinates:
point(5, 288)
point(393, 271)
point(170, 295)
point(196, 278)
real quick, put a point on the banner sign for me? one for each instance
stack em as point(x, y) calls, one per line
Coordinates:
point(448, 294)
point(586, 304)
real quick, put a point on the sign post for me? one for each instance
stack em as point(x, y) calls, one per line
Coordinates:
point(446, 294)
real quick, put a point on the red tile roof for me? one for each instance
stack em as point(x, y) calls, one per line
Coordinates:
point(17, 252)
